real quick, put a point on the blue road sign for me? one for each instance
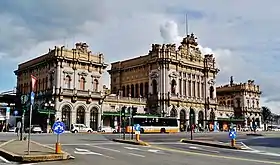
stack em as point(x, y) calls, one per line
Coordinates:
point(58, 127)
point(15, 112)
point(137, 127)
point(232, 134)
point(32, 97)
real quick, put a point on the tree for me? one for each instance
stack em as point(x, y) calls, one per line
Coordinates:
point(266, 114)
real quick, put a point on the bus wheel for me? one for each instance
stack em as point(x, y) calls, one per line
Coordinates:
point(162, 130)
point(141, 130)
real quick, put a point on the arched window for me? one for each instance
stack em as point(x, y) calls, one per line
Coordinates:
point(146, 89)
point(67, 82)
point(154, 86)
point(95, 85)
point(123, 91)
point(141, 90)
point(132, 91)
point(127, 91)
point(82, 83)
point(137, 90)
point(80, 118)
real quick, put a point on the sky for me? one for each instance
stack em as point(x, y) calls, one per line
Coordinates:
point(243, 35)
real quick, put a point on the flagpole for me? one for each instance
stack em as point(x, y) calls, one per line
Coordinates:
point(32, 97)
point(29, 131)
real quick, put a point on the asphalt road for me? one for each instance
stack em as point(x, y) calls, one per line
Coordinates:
point(122, 154)
point(165, 149)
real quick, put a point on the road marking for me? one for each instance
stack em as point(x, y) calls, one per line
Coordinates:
point(154, 151)
point(131, 148)
point(202, 149)
point(4, 160)
point(87, 152)
point(192, 147)
point(165, 143)
point(109, 149)
point(216, 156)
point(85, 144)
point(137, 155)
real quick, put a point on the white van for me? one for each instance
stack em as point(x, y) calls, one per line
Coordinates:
point(75, 128)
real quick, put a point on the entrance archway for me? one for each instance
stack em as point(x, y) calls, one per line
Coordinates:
point(80, 115)
point(200, 118)
point(192, 117)
point(93, 118)
point(183, 120)
point(65, 116)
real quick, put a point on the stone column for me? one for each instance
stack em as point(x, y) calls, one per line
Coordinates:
point(87, 118)
point(58, 75)
point(73, 116)
point(99, 122)
point(251, 122)
point(196, 117)
point(260, 121)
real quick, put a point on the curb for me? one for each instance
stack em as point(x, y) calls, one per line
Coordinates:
point(131, 142)
point(254, 134)
point(33, 158)
point(210, 144)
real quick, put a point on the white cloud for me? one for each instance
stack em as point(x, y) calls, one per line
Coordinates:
point(245, 42)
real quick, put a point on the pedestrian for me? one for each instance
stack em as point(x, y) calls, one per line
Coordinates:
point(18, 129)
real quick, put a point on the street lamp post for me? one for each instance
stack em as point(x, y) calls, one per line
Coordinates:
point(192, 126)
point(101, 109)
point(49, 105)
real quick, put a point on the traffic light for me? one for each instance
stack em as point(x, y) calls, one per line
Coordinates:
point(134, 111)
point(123, 111)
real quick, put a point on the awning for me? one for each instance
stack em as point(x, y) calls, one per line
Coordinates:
point(47, 111)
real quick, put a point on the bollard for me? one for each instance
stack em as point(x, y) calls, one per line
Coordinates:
point(57, 148)
point(137, 137)
point(232, 142)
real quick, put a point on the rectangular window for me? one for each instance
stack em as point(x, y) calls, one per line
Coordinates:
point(184, 88)
point(194, 91)
point(180, 87)
point(198, 90)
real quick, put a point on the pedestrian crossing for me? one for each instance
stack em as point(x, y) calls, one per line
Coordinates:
point(112, 151)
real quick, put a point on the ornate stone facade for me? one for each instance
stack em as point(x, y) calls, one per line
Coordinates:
point(243, 98)
point(177, 82)
point(71, 80)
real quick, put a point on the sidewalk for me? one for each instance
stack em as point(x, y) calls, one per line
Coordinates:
point(15, 150)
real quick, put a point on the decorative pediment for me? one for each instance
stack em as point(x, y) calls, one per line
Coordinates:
point(83, 74)
point(154, 75)
point(173, 75)
point(67, 72)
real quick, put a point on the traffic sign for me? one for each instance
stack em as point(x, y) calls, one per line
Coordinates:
point(137, 127)
point(15, 112)
point(58, 127)
point(32, 97)
point(232, 134)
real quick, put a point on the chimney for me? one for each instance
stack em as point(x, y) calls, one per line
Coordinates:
point(231, 80)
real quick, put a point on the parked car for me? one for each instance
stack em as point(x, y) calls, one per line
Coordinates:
point(259, 129)
point(12, 129)
point(75, 128)
point(34, 129)
point(108, 129)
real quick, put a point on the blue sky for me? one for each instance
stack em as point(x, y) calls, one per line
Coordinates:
point(243, 34)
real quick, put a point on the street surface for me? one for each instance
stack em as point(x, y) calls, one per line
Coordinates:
point(165, 149)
